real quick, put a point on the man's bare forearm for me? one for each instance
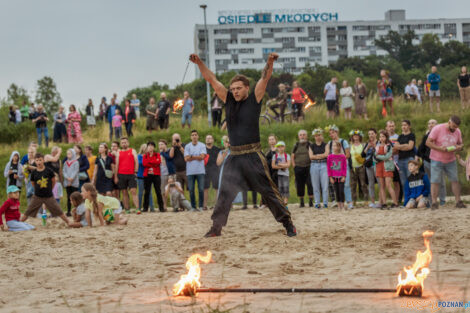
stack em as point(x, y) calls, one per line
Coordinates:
point(268, 70)
point(207, 73)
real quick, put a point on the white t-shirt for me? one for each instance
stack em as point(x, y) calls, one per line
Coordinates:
point(195, 167)
point(330, 91)
point(173, 189)
point(282, 158)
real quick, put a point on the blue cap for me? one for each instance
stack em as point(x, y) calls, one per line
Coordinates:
point(12, 188)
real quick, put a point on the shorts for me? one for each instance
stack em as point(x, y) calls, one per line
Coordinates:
point(84, 222)
point(186, 117)
point(126, 181)
point(37, 202)
point(118, 211)
point(434, 93)
point(212, 177)
point(414, 204)
point(283, 185)
point(438, 169)
point(380, 171)
point(330, 105)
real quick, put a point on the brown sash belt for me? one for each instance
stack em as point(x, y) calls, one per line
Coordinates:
point(245, 149)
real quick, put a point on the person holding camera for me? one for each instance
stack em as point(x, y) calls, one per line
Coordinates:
point(176, 193)
point(360, 102)
point(40, 118)
point(177, 154)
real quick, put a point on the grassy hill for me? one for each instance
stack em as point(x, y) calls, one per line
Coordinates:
point(315, 117)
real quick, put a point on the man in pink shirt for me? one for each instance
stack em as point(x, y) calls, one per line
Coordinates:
point(445, 140)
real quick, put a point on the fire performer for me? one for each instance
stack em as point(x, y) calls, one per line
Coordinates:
point(246, 167)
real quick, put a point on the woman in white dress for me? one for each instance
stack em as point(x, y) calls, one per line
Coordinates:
point(347, 99)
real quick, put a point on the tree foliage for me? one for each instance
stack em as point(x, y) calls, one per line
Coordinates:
point(47, 94)
point(17, 96)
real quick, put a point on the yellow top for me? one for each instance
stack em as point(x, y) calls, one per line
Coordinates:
point(356, 157)
point(90, 171)
point(108, 203)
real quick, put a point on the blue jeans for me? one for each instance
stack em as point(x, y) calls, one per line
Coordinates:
point(403, 170)
point(347, 187)
point(140, 185)
point(111, 129)
point(186, 118)
point(40, 131)
point(200, 186)
point(319, 177)
point(15, 225)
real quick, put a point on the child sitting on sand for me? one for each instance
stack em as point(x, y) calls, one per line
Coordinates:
point(81, 216)
point(337, 169)
point(11, 209)
point(103, 207)
point(417, 187)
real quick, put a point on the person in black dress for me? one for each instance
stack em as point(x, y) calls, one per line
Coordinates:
point(104, 163)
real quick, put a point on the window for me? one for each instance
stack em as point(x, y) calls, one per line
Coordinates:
point(309, 39)
point(284, 39)
point(371, 27)
point(314, 29)
point(419, 26)
point(342, 37)
point(250, 40)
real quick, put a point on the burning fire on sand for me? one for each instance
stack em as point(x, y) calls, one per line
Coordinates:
point(189, 283)
point(413, 284)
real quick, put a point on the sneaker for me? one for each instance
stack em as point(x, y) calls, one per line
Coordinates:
point(200, 209)
point(442, 202)
point(244, 207)
point(310, 202)
point(334, 204)
point(129, 211)
point(325, 206)
point(291, 230)
point(255, 206)
point(301, 205)
point(317, 206)
point(460, 205)
point(69, 214)
point(213, 233)
point(372, 205)
point(435, 206)
point(192, 210)
point(350, 206)
point(263, 206)
point(377, 206)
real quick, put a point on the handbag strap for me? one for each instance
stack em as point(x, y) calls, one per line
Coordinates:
point(102, 164)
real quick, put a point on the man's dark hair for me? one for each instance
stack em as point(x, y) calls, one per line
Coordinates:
point(164, 141)
point(151, 143)
point(124, 138)
point(455, 119)
point(373, 129)
point(117, 142)
point(240, 78)
point(407, 122)
point(39, 156)
point(194, 131)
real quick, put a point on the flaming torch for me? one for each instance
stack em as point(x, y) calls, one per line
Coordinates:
point(413, 284)
point(309, 103)
point(188, 284)
point(178, 105)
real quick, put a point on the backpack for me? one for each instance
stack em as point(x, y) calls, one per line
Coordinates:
point(296, 146)
point(369, 159)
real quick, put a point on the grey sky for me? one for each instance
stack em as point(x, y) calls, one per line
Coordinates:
point(93, 48)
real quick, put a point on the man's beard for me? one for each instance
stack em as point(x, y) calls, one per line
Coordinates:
point(302, 140)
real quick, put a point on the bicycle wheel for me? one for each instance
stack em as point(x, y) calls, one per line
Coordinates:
point(264, 120)
point(288, 117)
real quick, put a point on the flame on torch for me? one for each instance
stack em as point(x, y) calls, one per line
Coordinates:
point(189, 283)
point(178, 105)
point(309, 103)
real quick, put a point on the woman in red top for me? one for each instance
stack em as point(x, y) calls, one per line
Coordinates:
point(151, 162)
point(298, 99)
point(129, 117)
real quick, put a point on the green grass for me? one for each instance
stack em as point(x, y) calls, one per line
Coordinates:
point(315, 117)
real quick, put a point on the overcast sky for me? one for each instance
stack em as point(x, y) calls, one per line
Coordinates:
point(93, 48)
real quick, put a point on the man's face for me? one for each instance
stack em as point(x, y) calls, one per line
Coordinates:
point(161, 146)
point(163, 96)
point(434, 69)
point(124, 144)
point(405, 127)
point(174, 137)
point(39, 161)
point(453, 127)
point(372, 135)
point(209, 140)
point(194, 137)
point(114, 147)
point(272, 140)
point(152, 101)
point(186, 94)
point(334, 80)
point(390, 127)
point(239, 90)
point(431, 124)
point(134, 96)
point(61, 109)
point(302, 136)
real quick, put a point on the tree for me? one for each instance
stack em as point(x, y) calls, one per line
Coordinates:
point(17, 96)
point(47, 94)
point(401, 48)
point(431, 49)
point(455, 53)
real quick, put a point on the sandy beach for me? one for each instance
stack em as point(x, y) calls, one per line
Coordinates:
point(133, 268)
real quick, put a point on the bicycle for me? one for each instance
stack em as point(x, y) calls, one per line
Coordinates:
point(267, 118)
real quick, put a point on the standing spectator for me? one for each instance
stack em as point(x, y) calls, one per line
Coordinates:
point(17, 115)
point(90, 114)
point(167, 168)
point(135, 104)
point(319, 168)
point(129, 117)
point(177, 154)
point(281, 162)
point(272, 141)
point(368, 154)
point(194, 154)
point(60, 130)
point(103, 107)
point(221, 158)
point(417, 187)
point(434, 92)
point(28, 166)
point(52, 160)
point(74, 130)
point(334, 135)
point(117, 124)
point(384, 169)
point(14, 171)
point(330, 97)
point(416, 95)
point(141, 179)
point(298, 99)
point(176, 193)
point(445, 140)
point(347, 102)
point(463, 82)
point(393, 137)
point(211, 168)
point(163, 111)
point(384, 88)
point(188, 108)
point(358, 172)
point(406, 150)
point(24, 111)
point(84, 166)
point(216, 108)
point(110, 112)
point(114, 155)
point(91, 160)
point(11, 115)
point(421, 89)
point(360, 92)
point(408, 92)
point(151, 162)
point(337, 166)
point(282, 101)
point(151, 111)
point(301, 164)
point(423, 152)
point(104, 170)
point(31, 110)
point(127, 166)
point(70, 172)
point(40, 118)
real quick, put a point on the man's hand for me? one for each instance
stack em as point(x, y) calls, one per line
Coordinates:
point(272, 57)
point(4, 227)
point(195, 58)
point(116, 180)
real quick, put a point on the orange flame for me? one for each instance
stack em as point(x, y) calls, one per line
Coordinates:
point(178, 105)
point(413, 284)
point(309, 102)
point(189, 283)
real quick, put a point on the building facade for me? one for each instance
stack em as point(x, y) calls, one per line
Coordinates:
point(244, 39)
